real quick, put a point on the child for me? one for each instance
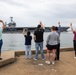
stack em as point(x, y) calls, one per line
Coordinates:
point(28, 39)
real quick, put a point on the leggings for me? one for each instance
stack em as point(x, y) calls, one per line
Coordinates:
point(74, 44)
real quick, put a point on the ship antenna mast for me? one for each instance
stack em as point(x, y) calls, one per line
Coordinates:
point(11, 19)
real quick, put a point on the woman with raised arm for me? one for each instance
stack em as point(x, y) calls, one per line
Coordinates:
point(1, 29)
point(74, 39)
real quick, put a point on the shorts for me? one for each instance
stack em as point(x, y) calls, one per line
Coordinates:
point(51, 47)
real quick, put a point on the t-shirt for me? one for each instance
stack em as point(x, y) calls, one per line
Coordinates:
point(53, 38)
point(28, 40)
point(74, 35)
point(39, 35)
point(1, 31)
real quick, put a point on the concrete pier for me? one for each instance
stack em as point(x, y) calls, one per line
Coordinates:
point(65, 66)
point(10, 56)
point(7, 58)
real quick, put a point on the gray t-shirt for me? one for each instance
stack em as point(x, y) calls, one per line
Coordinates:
point(53, 38)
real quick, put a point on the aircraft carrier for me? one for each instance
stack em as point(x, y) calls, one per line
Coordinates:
point(11, 28)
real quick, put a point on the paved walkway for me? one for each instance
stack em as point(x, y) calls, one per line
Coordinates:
point(66, 66)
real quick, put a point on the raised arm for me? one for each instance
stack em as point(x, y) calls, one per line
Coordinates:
point(59, 28)
point(3, 26)
point(23, 32)
point(59, 23)
point(42, 25)
point(71, 27)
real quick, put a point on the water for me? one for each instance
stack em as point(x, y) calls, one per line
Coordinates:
point(16, 41)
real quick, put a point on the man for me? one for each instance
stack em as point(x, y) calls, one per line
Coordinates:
point(1, 42)
point(38, 38)
point(58, 29)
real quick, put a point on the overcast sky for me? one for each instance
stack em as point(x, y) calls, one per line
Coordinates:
point(30, 12)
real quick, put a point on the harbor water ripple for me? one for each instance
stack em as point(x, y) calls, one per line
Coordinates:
point(16, 41)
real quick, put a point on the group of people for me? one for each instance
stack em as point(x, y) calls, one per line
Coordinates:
point(52, 42)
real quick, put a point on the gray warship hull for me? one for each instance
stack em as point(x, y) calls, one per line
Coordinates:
point(32, 29)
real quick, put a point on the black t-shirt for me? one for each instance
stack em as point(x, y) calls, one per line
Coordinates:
point(28, 40)
point(39, 35)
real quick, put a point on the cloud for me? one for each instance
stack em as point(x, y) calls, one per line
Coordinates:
point(30, 12)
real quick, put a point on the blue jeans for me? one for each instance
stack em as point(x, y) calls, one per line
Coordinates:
point(1, 42)
point(28, 51)
point(37, 45)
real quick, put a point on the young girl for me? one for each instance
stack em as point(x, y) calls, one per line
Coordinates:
point(28, 39)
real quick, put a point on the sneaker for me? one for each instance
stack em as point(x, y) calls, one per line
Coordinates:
point(74, 57)
point(53, 63)
point(47, 62)
point(35, 59)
